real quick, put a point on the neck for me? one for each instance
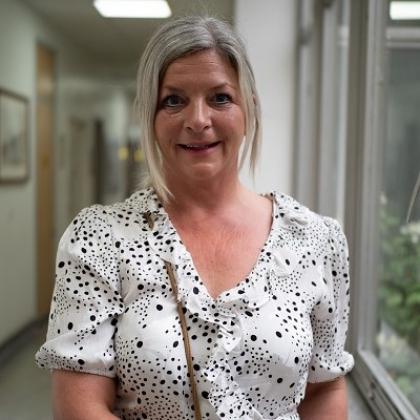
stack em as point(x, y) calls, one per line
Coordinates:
point(206, 198)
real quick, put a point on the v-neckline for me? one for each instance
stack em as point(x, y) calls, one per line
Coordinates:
point(248, 278)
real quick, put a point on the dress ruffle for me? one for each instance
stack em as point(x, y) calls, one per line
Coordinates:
point(225, 395)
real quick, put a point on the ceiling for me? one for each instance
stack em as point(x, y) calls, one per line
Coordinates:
point(117, 42)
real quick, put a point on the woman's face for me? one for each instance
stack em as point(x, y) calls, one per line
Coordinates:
point(200, 122)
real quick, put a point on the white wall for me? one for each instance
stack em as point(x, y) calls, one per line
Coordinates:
point(20, 30)
point(268, 29)
point(16, 201)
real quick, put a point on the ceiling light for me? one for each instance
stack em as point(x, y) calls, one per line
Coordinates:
point(133, 8)
point(405, 10)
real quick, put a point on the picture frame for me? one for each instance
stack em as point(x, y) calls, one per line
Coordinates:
point(14, 137)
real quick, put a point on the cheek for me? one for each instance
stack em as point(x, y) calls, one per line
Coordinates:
point(243, 127)
point(237, 124)
point(165, 128)
point(159, 127)
point(238, 120)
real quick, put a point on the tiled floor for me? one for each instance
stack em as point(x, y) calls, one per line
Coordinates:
point(25, 390)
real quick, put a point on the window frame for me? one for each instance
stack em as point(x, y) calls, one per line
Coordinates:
point(306, 144)
point(366, 115)
point(316, 147)
point(365, 128)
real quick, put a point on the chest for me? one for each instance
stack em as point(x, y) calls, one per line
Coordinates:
point(152, 339)
point(223, 257)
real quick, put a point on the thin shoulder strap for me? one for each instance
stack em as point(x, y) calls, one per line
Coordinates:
point(186, 340)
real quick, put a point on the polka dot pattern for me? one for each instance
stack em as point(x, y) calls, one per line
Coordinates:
point(254, 348)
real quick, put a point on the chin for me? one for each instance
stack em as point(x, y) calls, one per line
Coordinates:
point(202, 176)
point(203, 170)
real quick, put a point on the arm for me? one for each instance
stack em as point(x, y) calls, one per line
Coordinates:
point(325, 401)
point(83, 320)
point(82, 396)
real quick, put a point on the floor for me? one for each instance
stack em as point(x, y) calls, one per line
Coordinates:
point(25, 390)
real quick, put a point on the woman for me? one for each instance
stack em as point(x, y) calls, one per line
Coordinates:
point(261, 282)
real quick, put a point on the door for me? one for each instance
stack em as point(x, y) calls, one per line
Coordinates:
point(45, 84)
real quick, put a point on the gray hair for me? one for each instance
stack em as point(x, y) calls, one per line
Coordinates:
point(174, 40)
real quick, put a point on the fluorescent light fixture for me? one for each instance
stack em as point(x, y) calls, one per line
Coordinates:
point(405, 10)
point(133, 8)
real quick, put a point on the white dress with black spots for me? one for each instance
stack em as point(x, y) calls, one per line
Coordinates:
point(254, 348)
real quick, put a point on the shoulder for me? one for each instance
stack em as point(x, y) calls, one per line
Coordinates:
point(291, 209)
point(119, 225)
point(296, 216)
point(100, 231)
point(121, 213)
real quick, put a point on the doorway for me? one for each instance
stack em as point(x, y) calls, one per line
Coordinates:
point(45, 99)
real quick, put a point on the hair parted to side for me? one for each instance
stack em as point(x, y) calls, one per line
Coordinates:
point(176, 39)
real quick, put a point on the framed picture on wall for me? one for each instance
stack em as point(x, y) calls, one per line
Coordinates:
point(13, 137)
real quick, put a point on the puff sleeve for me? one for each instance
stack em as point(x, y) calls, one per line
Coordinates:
point(86, 301)
point(330, 315)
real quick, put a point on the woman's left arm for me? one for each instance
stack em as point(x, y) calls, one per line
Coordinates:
point(325, 401)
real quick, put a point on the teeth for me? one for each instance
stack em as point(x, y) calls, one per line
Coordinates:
point(199, 146)
point(196, 146)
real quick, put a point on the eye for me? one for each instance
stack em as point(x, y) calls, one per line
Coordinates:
point(222, 98)
point(171, 101)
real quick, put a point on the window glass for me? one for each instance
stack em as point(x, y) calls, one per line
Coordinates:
point(398, 334)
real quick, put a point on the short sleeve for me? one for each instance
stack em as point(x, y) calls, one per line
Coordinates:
point(330, 315)
point(86, 301)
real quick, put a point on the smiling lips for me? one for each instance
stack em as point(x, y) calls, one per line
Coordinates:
point(198, 147)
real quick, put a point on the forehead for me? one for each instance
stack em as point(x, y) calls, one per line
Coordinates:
point(207, 65)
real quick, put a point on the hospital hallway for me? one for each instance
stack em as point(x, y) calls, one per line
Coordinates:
point(338, 84)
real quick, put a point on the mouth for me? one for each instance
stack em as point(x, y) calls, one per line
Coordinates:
point(199, 147)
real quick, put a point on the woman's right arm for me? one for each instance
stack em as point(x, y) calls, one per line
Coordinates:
point(82, 396)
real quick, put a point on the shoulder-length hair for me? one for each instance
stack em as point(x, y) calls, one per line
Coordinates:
point(174, 40)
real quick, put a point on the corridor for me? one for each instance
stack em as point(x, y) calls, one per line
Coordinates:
point(339, 87)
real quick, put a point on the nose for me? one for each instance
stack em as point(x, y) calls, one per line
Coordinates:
point(198, 116)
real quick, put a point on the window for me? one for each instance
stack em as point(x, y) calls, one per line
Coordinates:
point(358, 159)
point(383, 166)
point(398, 328)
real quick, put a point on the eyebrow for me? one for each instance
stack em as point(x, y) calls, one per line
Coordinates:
point(220, 86)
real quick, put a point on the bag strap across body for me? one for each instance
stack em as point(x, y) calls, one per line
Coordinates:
point(182, 320)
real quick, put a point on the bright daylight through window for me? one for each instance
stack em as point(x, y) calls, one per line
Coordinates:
point(398, 334)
